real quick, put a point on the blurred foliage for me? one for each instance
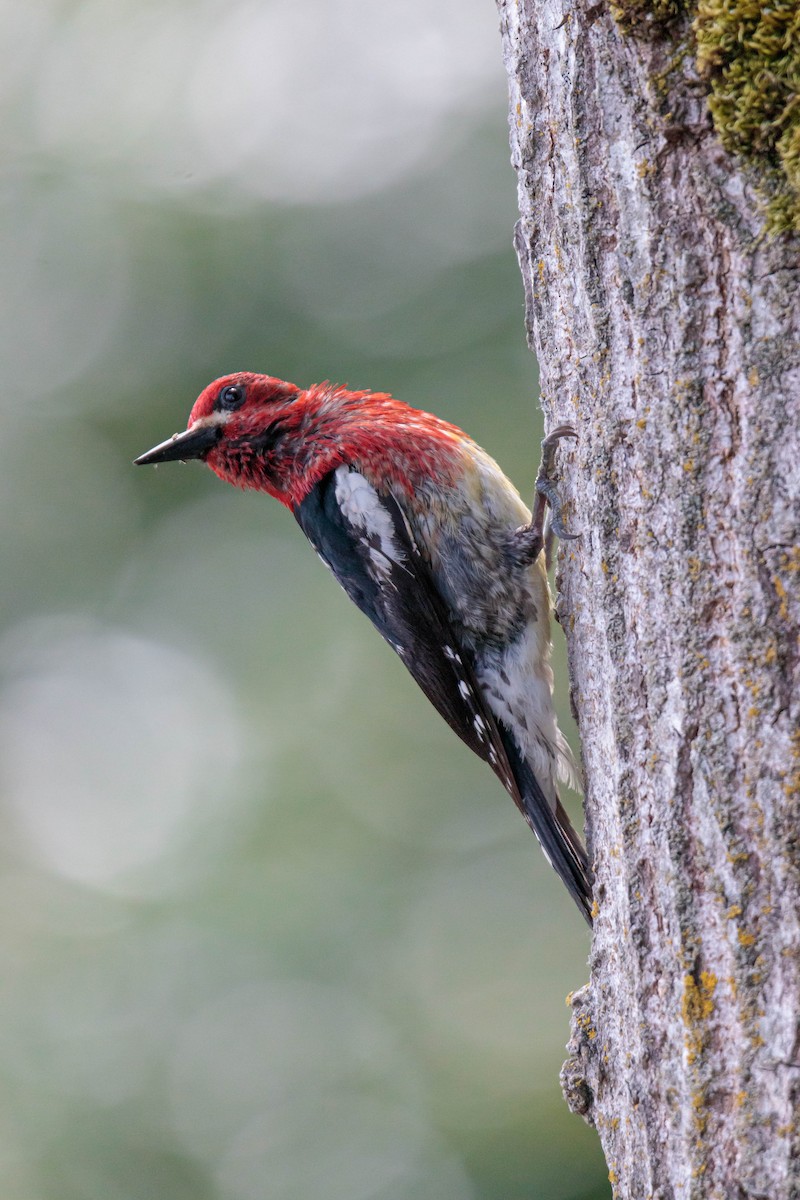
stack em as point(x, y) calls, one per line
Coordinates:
point(269, 929)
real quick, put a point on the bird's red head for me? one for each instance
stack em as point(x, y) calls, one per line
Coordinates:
point(243, 402)
point(259, 432)
point(253, 425)
point(245, 427)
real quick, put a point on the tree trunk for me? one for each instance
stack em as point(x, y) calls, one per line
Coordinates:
point(666, 327)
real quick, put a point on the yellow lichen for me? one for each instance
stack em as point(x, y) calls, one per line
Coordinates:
point(697, 1006)
point(782, 596)
point(699, 1114)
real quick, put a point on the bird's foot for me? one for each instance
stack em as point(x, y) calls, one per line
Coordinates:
point(531, 538)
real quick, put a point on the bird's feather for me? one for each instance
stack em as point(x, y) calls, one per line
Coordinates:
point(364, 538)
point(366, 542)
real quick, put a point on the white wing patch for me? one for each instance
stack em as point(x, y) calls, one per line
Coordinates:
point(362, 507)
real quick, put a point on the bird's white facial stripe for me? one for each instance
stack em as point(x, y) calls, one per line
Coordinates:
point(214, 418)
point(362, 507)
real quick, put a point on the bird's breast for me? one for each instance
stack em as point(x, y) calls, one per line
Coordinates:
point(467, 533)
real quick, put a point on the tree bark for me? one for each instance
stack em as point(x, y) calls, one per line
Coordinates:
point(666, 328)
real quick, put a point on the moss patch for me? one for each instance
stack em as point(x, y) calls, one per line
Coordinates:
point(750, 53)
point(644, 17)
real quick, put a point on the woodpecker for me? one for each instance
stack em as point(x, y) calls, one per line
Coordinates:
point(434, 544)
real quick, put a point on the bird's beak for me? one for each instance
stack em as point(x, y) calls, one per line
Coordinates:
point(192, 443)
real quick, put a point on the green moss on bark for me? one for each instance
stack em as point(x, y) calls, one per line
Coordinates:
point(748, 51)
point(647, 17)
point(750, 54)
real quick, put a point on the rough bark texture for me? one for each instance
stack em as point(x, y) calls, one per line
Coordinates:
point(666, 329)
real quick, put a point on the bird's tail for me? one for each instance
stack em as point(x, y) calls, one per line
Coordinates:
point(555, 832)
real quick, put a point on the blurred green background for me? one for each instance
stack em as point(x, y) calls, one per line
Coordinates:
point(269, 930)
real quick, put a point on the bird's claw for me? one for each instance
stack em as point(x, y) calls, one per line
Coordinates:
point(532, 538)
point(548, 489)
point(546, 486)
point(554, 437)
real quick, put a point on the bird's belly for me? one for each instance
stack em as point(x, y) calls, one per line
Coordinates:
point(517, 682)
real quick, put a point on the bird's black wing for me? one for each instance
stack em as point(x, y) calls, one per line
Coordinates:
point(364, 538)
point(377, 562)
point(554, 831)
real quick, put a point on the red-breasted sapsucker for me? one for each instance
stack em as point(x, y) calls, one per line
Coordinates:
point(431, 540)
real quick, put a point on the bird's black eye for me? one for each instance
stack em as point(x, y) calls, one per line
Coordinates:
point(231, 397)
